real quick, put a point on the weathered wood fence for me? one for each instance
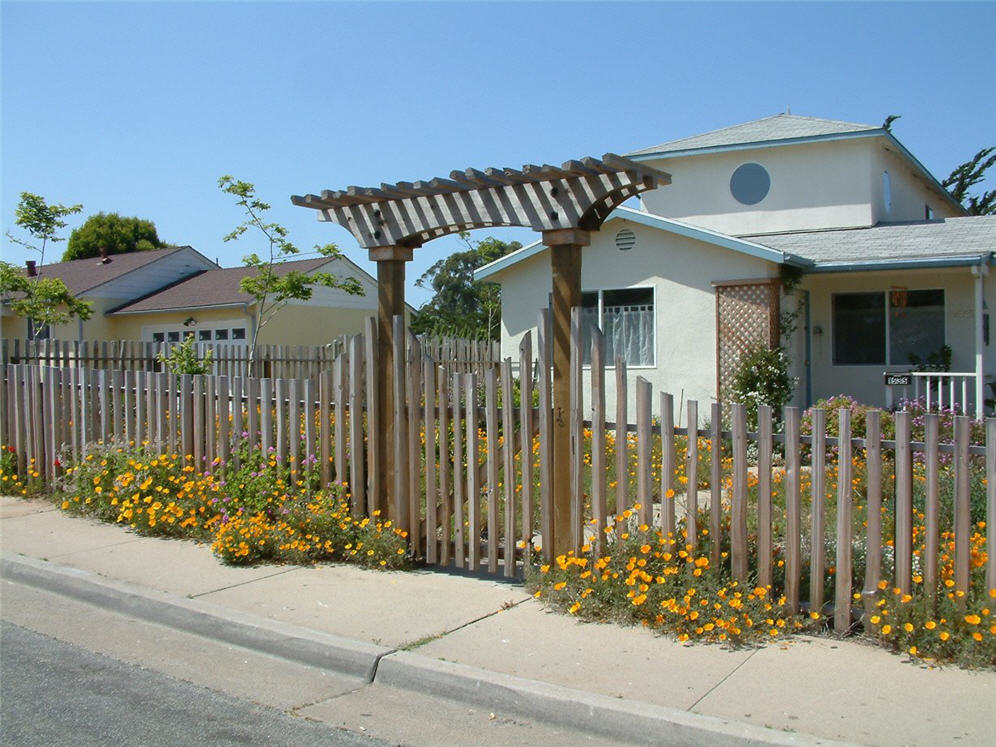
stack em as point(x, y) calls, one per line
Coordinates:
point(230, 359)
point(472, 460)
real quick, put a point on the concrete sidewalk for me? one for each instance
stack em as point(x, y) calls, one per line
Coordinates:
point(491, 644)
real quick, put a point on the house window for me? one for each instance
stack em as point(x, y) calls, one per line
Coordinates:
point(928, 214)
point(239, 333)
point(158, 336)
point(36, 333)
point(626, 318)
point(204, 335)
point(887, 192)
point(885, 328)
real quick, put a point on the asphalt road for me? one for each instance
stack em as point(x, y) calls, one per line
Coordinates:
point(55, 693)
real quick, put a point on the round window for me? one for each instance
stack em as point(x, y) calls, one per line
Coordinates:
point(750, 183)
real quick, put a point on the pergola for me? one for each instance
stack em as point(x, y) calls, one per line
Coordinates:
point(565, 204)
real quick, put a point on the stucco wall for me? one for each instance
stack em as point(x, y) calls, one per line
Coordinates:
point(865, 382)
point(816, 185)
point(681, 272)
point(910, 192)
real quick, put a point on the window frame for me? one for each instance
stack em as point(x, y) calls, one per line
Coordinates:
point(887, 307)
point(601, 312)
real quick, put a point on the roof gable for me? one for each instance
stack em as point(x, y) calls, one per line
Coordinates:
point(84, 276)
point(668, 225)
point(220, 287)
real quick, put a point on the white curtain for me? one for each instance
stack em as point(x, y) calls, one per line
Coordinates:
point(629, 332)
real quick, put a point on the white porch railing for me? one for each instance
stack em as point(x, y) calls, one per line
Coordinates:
point(948, 389)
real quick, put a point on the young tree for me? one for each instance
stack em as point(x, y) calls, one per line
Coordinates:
point(966, 176)
point(116, 234)
point(462, 306)
point(270, 288)
point(41, 221)
point(42, 300)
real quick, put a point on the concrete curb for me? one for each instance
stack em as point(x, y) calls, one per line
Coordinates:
point(631, 721)
point(310, 647)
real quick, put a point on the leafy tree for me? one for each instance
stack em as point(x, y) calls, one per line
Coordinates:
point(40, 220)
point(271, 289)
point(966, 176)
point(116, 234)
point(183, 359)
point(462, 306)
point(42, 300)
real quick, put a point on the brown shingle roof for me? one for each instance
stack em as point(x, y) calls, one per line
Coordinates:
point(82, 275)
point(211, 288)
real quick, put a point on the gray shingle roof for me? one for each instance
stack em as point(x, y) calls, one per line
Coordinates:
point(948, 238)
point(777, 127)
point(82, 275)
point(212, 288)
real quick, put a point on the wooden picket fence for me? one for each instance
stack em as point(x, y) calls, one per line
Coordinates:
point(230, 359)
point(471, 462)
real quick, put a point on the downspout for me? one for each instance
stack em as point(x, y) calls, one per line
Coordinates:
point(979, 272)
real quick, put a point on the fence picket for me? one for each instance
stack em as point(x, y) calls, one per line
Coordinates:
point(526, 435)
point(991, 506)
point(491, 426)
point(473, 491)
point(715, 483)
point(643, 444)
point(357, 459)
point(692, 473)
point(843, 574)
point(622, 442)
point(738, 524)
point(764, 544)
point(431, 504)
point(817, 510)
point(508, 463)
point(599, 475)
point(667, 517)
point(445, 511)
point(543, 340)
point(962, 505)
point(931, 507)
point(793, 510)
point(904, 504)
point(459, 545)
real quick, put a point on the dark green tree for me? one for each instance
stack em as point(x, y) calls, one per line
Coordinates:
point(461, 306)
point(41, 221)
point(115, 233)
point(966, 176)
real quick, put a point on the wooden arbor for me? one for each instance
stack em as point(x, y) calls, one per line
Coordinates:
point(563, 203)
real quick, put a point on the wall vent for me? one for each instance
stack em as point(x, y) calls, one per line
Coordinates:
point(625, 240)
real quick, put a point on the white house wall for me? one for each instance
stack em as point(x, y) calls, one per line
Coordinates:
point(814, 185)
point(910, 191)
point(865, 382)
point(681, 272)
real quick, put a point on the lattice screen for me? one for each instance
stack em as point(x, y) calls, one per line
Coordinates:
point(746, 315)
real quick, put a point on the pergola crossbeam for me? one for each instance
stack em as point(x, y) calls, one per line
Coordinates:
point(564, 203)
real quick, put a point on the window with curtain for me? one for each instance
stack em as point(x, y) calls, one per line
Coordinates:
point(626, 318)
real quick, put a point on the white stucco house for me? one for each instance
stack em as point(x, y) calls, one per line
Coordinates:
point(882, 262)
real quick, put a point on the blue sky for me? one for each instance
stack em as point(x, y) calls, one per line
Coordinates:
point(139, 107)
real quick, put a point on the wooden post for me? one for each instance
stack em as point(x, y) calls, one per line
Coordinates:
point(565, 261)
point(390, 303)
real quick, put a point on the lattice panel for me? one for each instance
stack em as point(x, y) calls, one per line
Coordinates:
point(746, 315)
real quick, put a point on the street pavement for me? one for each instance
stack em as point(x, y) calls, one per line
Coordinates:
point(479, 651)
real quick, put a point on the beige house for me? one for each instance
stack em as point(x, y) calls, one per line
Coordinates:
point(883, 265)
point(166, 294)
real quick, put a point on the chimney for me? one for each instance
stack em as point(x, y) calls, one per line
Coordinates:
point(32, 271)
point(104, 259)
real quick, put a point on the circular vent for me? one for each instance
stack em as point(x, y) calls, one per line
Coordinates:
point(625, 240)
point(750, 183)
